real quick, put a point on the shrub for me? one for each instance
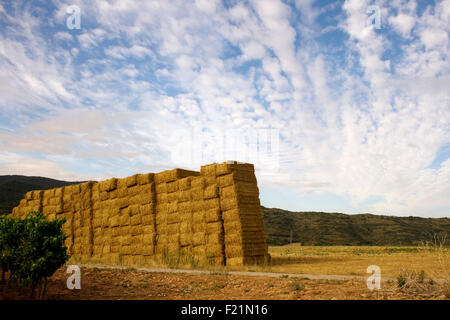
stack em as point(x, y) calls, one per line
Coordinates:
point(37, 250)
point(10, 229)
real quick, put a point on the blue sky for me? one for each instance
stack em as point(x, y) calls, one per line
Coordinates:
point(336, 113)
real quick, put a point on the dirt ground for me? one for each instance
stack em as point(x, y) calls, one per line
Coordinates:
point(131, 284)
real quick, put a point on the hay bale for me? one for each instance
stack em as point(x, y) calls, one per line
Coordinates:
point(215, 238)
point(214, 227)
point(172, 207)
point(172, 186)
point(228, 203)
point(185, 239)
point(173, 228)
point(199, 227)
point(198, 182)
point(211, 191)
point(125, 220)
point(131, 181)
point(161, 198)
point(184, 183)
point(114, 221)
point(213, 203)
point(196, 194)
point(198, 239)
point(145, 178)
point(134, 190)
point(231, 227)
point(148, 239)
point(208, 170)
point(148, 219)
point(134, 209)
point(161, 218)
point(173, 239)
point(198, 217)
point(122, 192)
point(173, 197)
point(161, 188)
point(214, 250)
point(135, 220)
point(212, 215)
point(108, 185)
point(185, 227)
point(113, 194)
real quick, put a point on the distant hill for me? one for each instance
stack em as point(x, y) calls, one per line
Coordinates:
point(13, 189)
point(308, 228)
point(320, 228)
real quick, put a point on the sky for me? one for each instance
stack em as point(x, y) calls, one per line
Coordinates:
point(342, 106)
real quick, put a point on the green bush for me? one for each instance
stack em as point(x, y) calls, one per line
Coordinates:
point(36, 252)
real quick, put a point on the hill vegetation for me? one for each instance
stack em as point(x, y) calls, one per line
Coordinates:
point(283, 227)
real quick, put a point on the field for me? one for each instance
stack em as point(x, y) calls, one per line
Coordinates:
point(221, 283)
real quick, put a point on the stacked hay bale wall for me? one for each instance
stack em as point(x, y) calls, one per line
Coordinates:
point(207, 217)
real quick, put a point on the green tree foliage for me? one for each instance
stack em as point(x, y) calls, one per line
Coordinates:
point(10, 229)
point(36, 252)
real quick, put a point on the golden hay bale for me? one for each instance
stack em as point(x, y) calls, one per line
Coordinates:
point(144, 198)
point(198, 238)
point(136, 220)
point(213, 203)
point(173, 197)
point(122, 192)
point(131, 181)
point(173, 239)
point(172, 228)
point(231, 227)
point(113, 194)
point(198, 217)
point(125, 240)
point(209, 180)
point(147, 209)
point(161, 218)
point(121, 202)
point(211, 191)
point(233, 238)
point(134, 190)
point(199, 250)
point(184, 196)
point(185, 227)
point(115, 248)
point(148, 239)
point(215, 238)
point(172, 207)
point(212, 215)
point(114, 221)
point(232, 251)
point(196, 194)
point(48, 193)
point(228, 203)
point(29, 195)
point(126, 250)
point(137, 230)
point(145, 178)
point(67, 197)
point(214, 227)
point(172, 186)
point(161, 188)
point(184, 183)
point(108, 185)
point(225, 181)
point(199, 227)
point(23, 202)
point(76, 188)
point(198, 182)
point(214, 250)
point(59, 208)
point(134, 209)
point(208, 170)
point(121, 183)
point(173, 218)
point(185, 239)
point(106, 248)
point(222, 169)
point(125, 220)
point(161, 198)
point(148, 219)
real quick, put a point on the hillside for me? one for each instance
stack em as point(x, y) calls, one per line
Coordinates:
point(14, 187)
point(320, 228)
point(308, 228)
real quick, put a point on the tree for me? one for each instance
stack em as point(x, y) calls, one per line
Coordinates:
point(10, 231)
point(40, 252)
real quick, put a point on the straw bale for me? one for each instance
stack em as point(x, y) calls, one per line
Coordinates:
point(76, 188)
point(148, 239)
point(97, 222)
point(113, 194)
point(145, 178)
point(161, 187)
point(38, 194)
point(185, 183)
point(172, 186)
point(185, 239)
point(59, 208)
point(211, 191)
point(29, 195)
point(199, 251)
point(121, 202)
point(84, 187)
point(106, 248)
point(122, 192)
point(214, 227)
point(173, 197)
point(214, 250)
point(198, 239)
point(173, 247)
point(125, 240)
point(226, 180)
point(147, 209)
point(23, 202)
point(213, 203)
point(208, 170)
point(148, 219)
point(51, 201)
point(135, 220)
point(134, 190)
point(108, 185)
point(49, 193)
point(172, 207)
point(173, 228)
point(196, 194)
point(134, 209)
point(51, 216)
point(125, 220)
point(212, 215)
point(48, 210)
point(233, 238)
point(115, 248)
point(198, 182)
point(215, 238)
point(121, 183)
point(228, 203)
point(161, 218)
point(209, 180)
point(198, 216)
point(185, 227)
point(126, 250)
point(232, 226)
point(131, 180)
point(222, 169)
point(137, 230)
point(184, 196)
point(161, 198)
point(114, 221)
point(173, 217)
point(199, 227)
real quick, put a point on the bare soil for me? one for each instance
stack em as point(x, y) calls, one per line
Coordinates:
point(132, 284)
